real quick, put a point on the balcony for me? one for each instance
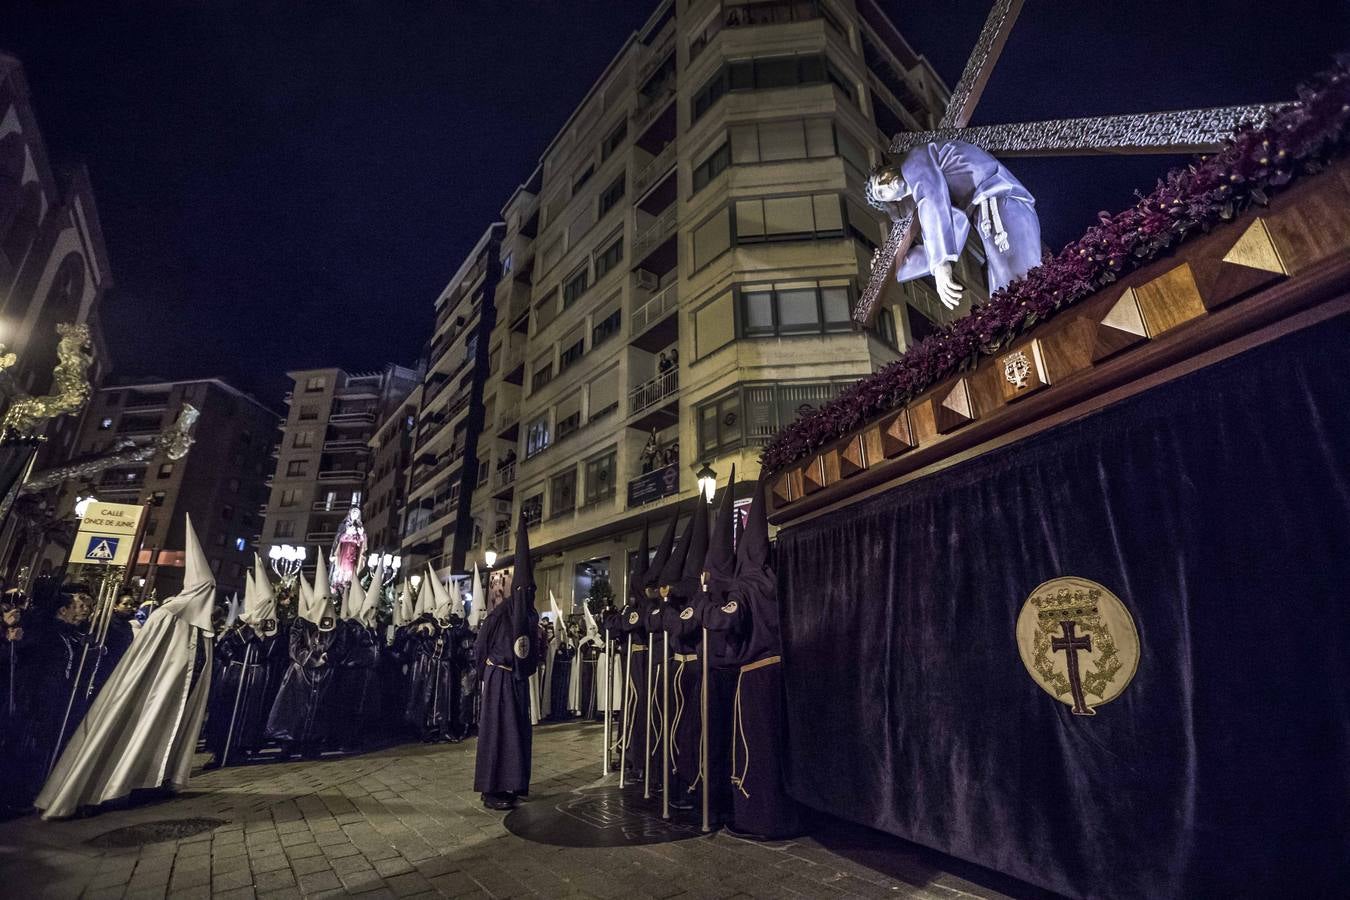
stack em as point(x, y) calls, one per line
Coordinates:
point(346, 444)
point(320, 537)
point(654, 485)
point(513, 364)
point(503, 479)
point(656, 235)
point(654, 108)
point(355, 475)
point(508, 423)
point(352, 418)
point(662, 163)
point(654, 403)
point(654, 325)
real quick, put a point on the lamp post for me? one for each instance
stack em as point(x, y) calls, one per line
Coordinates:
point(707, 482)
point(490, 555)
point(286, 561)
point(391, 562)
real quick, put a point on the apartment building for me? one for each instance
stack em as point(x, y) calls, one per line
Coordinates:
point(221, 483)
point(679, 272)
point(446, 468)
point(386, 487)
point(325, 453)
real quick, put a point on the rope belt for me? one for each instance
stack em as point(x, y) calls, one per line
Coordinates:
point(738, 729)
point(497, 665)
point(685, 657)
point(637, 647)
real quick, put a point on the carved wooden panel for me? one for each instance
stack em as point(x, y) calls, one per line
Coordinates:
point(952, 408)
point(813, 475)
point(1021, 371)
point(852, 456)
point(1251, 263)
point(1315, 227)
point(897, 434)
point(1169, 300)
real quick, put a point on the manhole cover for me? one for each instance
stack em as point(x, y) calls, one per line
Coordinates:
point(600, 817)
point(154, 832)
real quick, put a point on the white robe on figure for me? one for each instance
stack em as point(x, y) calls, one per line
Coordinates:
point(142, 729)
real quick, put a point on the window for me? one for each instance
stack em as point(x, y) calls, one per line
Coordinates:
point(303, 440)
point(165, 470)
point(240, 544)
point(719, 424)
point(532, 510)
point(104, 424)
point(537, 436)
point(308, 412)
point(714, 326)
point(614, 140)
point(789, 218)
point(288, 496)
point(158, 498)
point(604, 394)
point(284, 528)
point(568, 415)
point(765, 74)
point(704, 35)
point(802, 307)
point(543, 371)
point(584, 177)
point(562, 490)
point(611, 196)
point(712, 166)
point(606, 326)
point(610, 257)
point(507, 261)
point(573, 347)
point(296, 468)
point(775, 141)
point(576, 285)
point(600, 483)
point(546, 311)
point(315, 383)
point(549, 256)
point(712, 238)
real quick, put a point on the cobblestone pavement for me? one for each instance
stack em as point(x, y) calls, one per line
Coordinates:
point(405, 822)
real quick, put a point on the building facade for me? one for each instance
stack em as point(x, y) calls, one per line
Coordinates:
point(678, 274)
point(447, 468)
point(386, 489)
point(325, 453)
point(221, 483)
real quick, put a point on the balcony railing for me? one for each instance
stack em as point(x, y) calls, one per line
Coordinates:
point(659, 165)
point(346, 444)
point(342, 475)
point(657, 232)
point(650, 393)
point(649, 112)
point(505, 475)
point(655, 309)
point(320, 537)
point(353, 418)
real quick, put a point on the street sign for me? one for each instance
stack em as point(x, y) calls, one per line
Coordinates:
point(106, 534)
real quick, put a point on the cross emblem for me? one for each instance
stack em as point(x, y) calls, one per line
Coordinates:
point(1071, 643)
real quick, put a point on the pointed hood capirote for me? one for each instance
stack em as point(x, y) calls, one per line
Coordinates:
point(404, 607)
point(696, 552)
point(478, 598)
point(637, 569)
point(196, 601)
point(669, 576)
point(442, 603)
point(356, 599)
point(521, 615)
point(752, 553)
point(720, 561)
point(265, 598)
point(321, 611)
point(652, 577)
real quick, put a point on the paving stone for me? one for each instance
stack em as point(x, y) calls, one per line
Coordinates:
point(310, 864)
point(319, 881)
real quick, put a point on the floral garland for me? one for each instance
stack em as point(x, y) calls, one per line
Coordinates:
point(1256, 161)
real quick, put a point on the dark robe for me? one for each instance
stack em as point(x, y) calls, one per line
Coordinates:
point(633, 653)
point(559, 680)
point(655, 615)
point(748, 621)
point(415, 646)
point(505, 740)
point(462, 640)
point(357, 686)
point(249, 659)
point(588, 657)
point(439, 687)
point(685, 629)
point(394, 680)
point(304, 711)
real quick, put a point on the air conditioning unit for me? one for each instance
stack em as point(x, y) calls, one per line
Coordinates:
point(501, 507)
point(647, 281)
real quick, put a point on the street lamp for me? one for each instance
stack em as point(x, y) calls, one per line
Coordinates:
point(391, 562)
point(490, 555)
point(286, 561)
point(707, 482)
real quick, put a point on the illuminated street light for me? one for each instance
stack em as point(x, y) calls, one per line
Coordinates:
point(707, 482)
point(490, 556)
point(82, 505)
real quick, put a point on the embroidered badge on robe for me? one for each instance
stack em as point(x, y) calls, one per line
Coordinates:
point(729, 608)
point(687, 613)
point(1078, 642)
point(632, 618)
point(522, 647)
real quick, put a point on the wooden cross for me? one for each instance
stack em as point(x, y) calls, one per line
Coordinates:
point(1183, 131)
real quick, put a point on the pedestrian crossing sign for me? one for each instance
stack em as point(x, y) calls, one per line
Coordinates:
point(106, 534)
point(101, 549)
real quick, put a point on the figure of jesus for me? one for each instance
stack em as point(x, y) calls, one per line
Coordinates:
point(945, 186)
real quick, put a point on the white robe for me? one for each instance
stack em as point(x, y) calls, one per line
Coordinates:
point(574, 684)
point(142, 729)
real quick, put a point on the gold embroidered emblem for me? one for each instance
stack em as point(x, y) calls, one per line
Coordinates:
point(687, 613)
point(632, 618)
point(1078, 642)
point(522, 647)
point(729, 608)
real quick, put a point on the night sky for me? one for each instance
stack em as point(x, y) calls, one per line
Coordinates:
point(290, 184)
